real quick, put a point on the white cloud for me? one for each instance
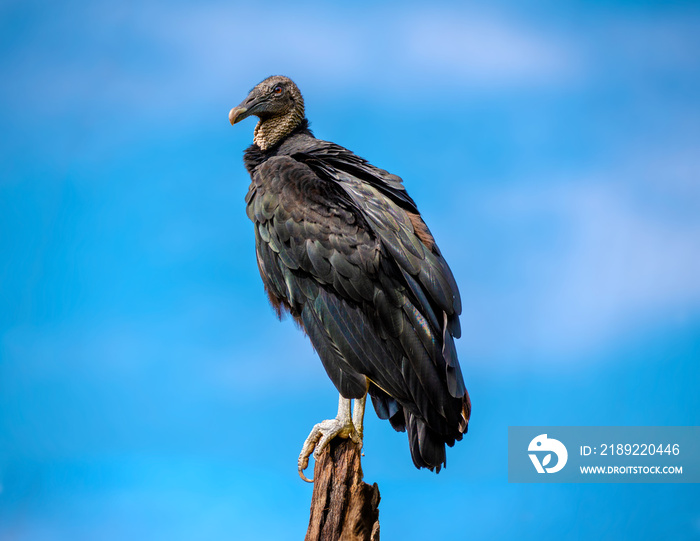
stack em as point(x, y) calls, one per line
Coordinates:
point(337, 48)
point(159, 57)
point(586, 264)
point(486, 50)
point(625, 267)
point(155, 59)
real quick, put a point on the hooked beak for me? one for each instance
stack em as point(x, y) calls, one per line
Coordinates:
point(245, 109)
point(237, 114)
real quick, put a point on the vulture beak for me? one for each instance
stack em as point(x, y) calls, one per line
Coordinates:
point(245, 109)
point(237, 114)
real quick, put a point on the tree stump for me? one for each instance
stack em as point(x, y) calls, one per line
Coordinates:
point(343, 507)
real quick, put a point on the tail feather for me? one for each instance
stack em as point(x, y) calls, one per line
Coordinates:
point(427, 447)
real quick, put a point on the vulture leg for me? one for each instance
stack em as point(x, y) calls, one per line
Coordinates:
point(358, 415)
point(322, 433)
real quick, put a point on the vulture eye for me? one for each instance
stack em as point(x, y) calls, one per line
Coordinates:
point(277, 90)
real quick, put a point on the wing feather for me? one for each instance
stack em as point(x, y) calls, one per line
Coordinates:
point(337, 248)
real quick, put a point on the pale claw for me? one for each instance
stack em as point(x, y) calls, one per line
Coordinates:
point(320, 437)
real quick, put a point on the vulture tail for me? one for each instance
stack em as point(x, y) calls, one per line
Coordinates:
point(427, 446)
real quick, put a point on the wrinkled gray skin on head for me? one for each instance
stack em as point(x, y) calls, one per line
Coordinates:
point(278, 104)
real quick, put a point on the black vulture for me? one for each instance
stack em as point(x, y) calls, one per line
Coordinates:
point(342, 247)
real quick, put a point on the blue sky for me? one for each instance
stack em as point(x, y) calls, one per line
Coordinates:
point(147, 390)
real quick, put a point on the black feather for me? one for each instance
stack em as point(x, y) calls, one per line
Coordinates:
point(337, 248)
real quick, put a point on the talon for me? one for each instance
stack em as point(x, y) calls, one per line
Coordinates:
point(302, 465)
point(319, 438)
point(322, 434)
point(301, 472)
point(306, 451)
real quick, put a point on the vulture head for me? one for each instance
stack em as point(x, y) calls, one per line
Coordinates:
point(278, 104)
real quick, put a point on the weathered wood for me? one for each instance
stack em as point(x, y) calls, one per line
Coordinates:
point(343, 507)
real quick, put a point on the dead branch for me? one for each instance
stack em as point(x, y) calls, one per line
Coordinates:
point(343, 507)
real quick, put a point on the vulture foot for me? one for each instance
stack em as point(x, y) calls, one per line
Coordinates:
point(343, 426)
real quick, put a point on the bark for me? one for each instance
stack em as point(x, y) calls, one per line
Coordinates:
point(343, 507)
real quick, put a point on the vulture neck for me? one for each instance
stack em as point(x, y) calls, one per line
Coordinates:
point(272, 130)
